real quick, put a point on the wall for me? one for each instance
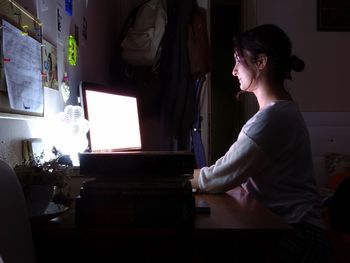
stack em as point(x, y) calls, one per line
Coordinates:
point(93, 58)
point(323, 85)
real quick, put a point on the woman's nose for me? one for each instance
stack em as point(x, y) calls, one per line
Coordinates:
point(234, 71)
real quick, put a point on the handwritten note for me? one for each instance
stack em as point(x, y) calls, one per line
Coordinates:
point(22, 70)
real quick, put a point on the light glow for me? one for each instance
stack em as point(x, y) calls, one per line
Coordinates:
point(67, 132)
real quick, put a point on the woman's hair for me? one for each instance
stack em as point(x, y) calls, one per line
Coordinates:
point(273, 41)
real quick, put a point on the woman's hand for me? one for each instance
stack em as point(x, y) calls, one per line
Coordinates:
point(194, 181)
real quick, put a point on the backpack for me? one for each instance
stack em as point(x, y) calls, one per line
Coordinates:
point(142, 44)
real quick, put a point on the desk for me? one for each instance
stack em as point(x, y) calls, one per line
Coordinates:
point(236, 222)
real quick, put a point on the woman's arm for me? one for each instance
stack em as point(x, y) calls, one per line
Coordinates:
point(244, 159)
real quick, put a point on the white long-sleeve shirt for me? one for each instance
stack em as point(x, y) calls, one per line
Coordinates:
point(271, 160)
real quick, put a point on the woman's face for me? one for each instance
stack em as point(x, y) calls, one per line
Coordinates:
point(245, 73)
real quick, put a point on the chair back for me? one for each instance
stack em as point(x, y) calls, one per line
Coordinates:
point(340, 207)
point(16, 242)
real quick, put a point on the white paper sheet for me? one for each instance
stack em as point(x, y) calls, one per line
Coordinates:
point(23, 70)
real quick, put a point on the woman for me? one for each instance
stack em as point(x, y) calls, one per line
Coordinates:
point(271, 159)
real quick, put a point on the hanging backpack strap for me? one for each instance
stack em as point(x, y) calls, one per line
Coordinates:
point(197, 143)
point(128, 23)
point(120, 70)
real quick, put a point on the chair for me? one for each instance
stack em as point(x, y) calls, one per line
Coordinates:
point(340, 207)
point(16, 243)
point(339, 219)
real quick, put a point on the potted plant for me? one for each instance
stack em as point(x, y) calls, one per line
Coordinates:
point(43, 182)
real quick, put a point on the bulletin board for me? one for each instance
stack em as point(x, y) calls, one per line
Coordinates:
point(21, 90)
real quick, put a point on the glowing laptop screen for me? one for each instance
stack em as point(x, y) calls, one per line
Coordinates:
point(113, 120)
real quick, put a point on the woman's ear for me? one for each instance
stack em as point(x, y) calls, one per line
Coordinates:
point(261, 61)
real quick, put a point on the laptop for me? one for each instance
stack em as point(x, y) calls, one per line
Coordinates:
point(115, 139)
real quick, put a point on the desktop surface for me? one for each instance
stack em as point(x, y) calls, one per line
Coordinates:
point(232, 211)
point(234, 220)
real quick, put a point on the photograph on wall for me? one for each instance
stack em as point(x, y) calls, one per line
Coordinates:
point(49, 65)
point(333, 15)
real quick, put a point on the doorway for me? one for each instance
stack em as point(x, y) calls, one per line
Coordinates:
point(226, 113)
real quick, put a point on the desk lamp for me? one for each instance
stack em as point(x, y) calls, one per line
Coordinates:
point(71, 129)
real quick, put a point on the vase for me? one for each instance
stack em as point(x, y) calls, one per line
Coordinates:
point(38, 198)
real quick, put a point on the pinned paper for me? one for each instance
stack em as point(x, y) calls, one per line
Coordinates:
point(72, 51)
point(76, 34)
point(59, 24)
point(69, 7)
point(84, 28)
point(23, 73)
point(43, 5)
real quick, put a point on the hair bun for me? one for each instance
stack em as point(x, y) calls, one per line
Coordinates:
point(296, 63)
